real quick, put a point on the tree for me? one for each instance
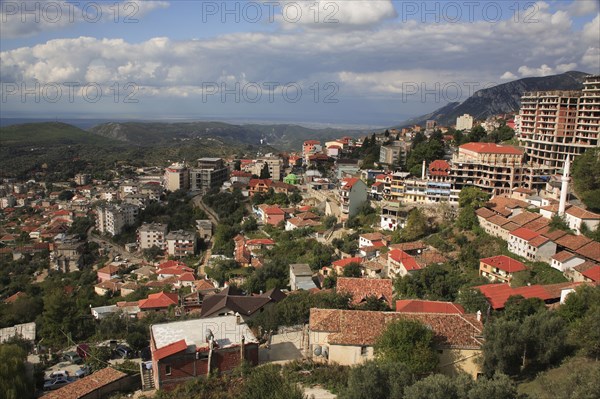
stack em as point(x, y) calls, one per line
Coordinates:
point(499, 386)
point(585, 333)
point(477, 134)
point(266, 382)
point(417, 226)
point(377, 380)
point(435, 282)
point(14, 383)
point(587, 184)
point(467, 219)
point(436, 386)
point(409, 342)
point(59, 318)
point(152, 253)
point(472, 196)
point(66, 195)
point(295, 197)
point(352, 270)
point(371, 302)
point(264, 172)
point(329, 221)
point(473, 300)
point(250, 224)
point(559, 223)
point(517, 307)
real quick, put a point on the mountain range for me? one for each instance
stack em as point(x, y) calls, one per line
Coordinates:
point(500, 99)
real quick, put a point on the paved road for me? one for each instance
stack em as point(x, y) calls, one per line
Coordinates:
point(214, 219)
point(114, 248)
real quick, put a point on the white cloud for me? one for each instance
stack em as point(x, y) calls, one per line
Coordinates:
point(24, 19)
point(508, 76)
point(591, 59)
point(579, 8)
point(591, 31)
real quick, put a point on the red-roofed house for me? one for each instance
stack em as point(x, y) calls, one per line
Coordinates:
point(422, 306)
point(271, 214)
point(531, 245)
point(353, 194)
point(108, 272)
point(500, 268)
point(259, 186)
point(565, 261)
point(439, 168)
point(576, 217)
point(498, 294)
point(592, 274)
point(339, 265)
point(399, 263)
point(158, 301)
point(362, 288)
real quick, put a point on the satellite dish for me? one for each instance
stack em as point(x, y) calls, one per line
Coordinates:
point(318, 350)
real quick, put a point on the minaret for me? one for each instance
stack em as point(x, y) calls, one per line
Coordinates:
point(564, 189)
point(423, 171)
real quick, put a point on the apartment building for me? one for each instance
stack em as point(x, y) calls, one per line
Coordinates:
point(181, 243)
point(152, 235)
point(393, 154)
point(494, 168)
point(210, 174)
point(176, 177)
point(353, 194)
point(110, 219)
point(311, 147)
point(554, 124)
point(464, 122)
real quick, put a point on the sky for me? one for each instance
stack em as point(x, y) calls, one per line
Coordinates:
point(333, 62)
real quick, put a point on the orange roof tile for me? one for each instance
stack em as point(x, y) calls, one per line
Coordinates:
point(159, 300)
point(592, 273)
point(504, 263)
point(169, 350)
point(422, 306)
point(491, 148)
point(345, 262)
point(524, 234)
point(361, 288)
point(86, 386)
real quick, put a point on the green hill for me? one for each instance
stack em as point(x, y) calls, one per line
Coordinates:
point(48, 134)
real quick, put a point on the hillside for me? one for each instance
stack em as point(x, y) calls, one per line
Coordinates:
point(282, 137)
point(48, 134)
point(504, 98)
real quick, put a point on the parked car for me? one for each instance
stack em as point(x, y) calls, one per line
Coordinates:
point(123, 351)
point(83, 371)
point(57, 374)
point(56, 383)
point(72, 357)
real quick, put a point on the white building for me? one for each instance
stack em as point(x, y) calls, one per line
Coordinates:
point(353, 194)
point(176, 177)
point(110, 219)
point(151, 235)
point(181, 243)
point(531, 245)
point(464, 122)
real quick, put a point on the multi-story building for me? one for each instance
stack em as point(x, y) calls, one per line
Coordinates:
point(176, 177)
point(353, 194)
point(275, 166)
point(152, 235)
point(181, 243)
point(393, 154)
point(81, 179)
point(110, 219)
point(554, 124)
point(311, 147)
point(494, 168)
point(210, 174)
point(500, 268)
point(464, 122)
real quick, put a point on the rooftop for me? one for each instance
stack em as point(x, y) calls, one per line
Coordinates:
point(225, 329)
point(423, 306)
point(361, 288)
point(491, 148)
point(505, 263)
point(87, 385)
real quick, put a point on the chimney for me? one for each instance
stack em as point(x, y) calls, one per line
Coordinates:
point(564, 189)
point(479, 315)
point(423, 171)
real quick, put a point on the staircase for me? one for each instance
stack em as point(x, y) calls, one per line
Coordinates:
point(147, 377)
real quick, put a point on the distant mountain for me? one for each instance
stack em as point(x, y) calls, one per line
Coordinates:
point(504, 98)
point(283, 137)
point(48, 134)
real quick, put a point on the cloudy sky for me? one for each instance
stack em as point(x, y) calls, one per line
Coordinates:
point(350, 62)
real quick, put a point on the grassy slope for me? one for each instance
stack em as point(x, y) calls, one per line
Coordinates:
point(48, 134)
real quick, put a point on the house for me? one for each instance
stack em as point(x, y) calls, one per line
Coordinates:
point(230, 301)
point(108, 272)
point(399, 263)
point(181, 243)
point(102, 383)
point(423, 306)
point(108, 288)
point(590, 251)
point(159, 301)
point(531, 245)
point(339, 265)
point(270, 214)
point(259, 186)
point(565, 261)
point(586, 272)
point(204, 229)
point(498, 294)
point(372, 240)
point(353, 194)
point(190, 349)
point(347, 337)
point(500, 268)
point(299, 223)
point(151, 235)
point(576, 217)
point(362, 288)
point(301, 277)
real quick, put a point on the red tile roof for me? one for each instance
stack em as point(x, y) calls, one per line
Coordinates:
point(260, 241)
point(361, 288)
point(504, 263)
point(524, 234)
point(581, 213)
point(171, 263)
point(563, 256)
point(590, 250)
point(498, 294)
point(159, 300)
point(592, 273)
point(572, 242)
point(439, 168)
point(87, 385)
point(407, 261)
point(169, 350)
point(422, 306)
point(349, 182)
point(345, 262)
point(491, 148)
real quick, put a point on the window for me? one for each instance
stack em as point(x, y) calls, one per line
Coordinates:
point(363, 351)
point(167, 370)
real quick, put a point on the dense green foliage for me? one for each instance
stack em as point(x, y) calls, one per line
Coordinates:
point(417, 226)
point(586, 183)
point(435, 282)
point(14, 383)
point(409, 342)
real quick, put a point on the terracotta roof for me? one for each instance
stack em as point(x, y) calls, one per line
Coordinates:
point(273, 210)
point(538, 241)
point(524, 234)
point(87, 385)
point(159, 300)
point(439, 168)
point(498, 294)
point(552, 234)
point(563, 256)
point(203, 285)
point(409, 246)
point(355, 327)
point(510, 226)
point(15, 296)
point(585, 266)
point(109, 269)
point(349, 182)
point(303, 222)
point(372, 236)
point(312, 142)
point(592, 273)
point(422, 306)
point(525, 217)
point(572, 242)
point(171, 263)
point(169, 350)
point(260, 241)
point(581, 213)
point(361, 288)
point(491, 148)
point(345, 262)
point(498, 220)
point(405, 259)
point(109, 285)
point(537, 224)
point(484, 213)
point(504, 263)
point(591, 251)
